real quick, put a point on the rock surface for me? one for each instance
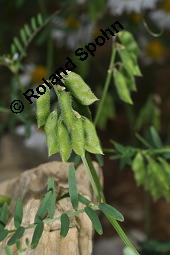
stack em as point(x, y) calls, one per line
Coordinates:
point(30, 184)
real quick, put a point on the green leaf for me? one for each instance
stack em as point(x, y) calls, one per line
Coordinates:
point(121, 87)
point(94, 219)
point(73, 187)
point(52, 205)
point(110, 211)
point(4, 214)
point(16, 236)
point(166, 167)
point(33, 23)
point(18, 45)
point(51, 184)
point(43, 208)
point(39, 19)
point(65, 223)
point(158, 182)
point(37, 234)
point(13, 49)
point(138, 167)
point(155, 138)
point(18, 215)
point(3, 233)
point(84, 200)
point(23, 36)
point(27, 30)
point(120, 148)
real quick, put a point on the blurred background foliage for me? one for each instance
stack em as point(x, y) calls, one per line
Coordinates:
point(77, 23)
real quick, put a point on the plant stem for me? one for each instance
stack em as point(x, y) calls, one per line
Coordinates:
point(90, 172)
point(94, 179)
point(122, 235)
point(106, 86)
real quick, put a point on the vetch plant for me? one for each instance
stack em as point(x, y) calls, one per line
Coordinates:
point(70, 131)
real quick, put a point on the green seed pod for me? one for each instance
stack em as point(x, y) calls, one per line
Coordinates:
point(43, 108)
point(82, 109)
point(77, 137)
point(128, 41)
point(64, 141)
point(66, 108)
point(92, 143)
point(79, 88)
point(51, 133)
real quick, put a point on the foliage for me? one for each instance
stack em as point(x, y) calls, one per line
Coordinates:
point(150, 164)
point(71, 131)
point(20, 44)
point(46, 214)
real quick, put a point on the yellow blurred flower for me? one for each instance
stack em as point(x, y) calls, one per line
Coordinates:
point(156, 50)
point(166, 5)
point(96, 32)
point(38, 73)
point(72, 22)
point(136, 17)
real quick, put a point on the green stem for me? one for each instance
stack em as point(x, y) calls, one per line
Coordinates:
point(122, 235)
point(106, 86)
point(90, 172)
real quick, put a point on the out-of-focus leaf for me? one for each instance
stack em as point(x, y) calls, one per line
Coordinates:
point(155, 138)
point(96, 8)
point(138, 167)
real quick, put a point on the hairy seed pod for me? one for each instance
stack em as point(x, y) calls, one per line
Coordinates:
point(43, 108)
point(64, 141)
point(92, 143)
point(80, 90)
point(77, 137)
point(51, 133)
point(66, 108)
